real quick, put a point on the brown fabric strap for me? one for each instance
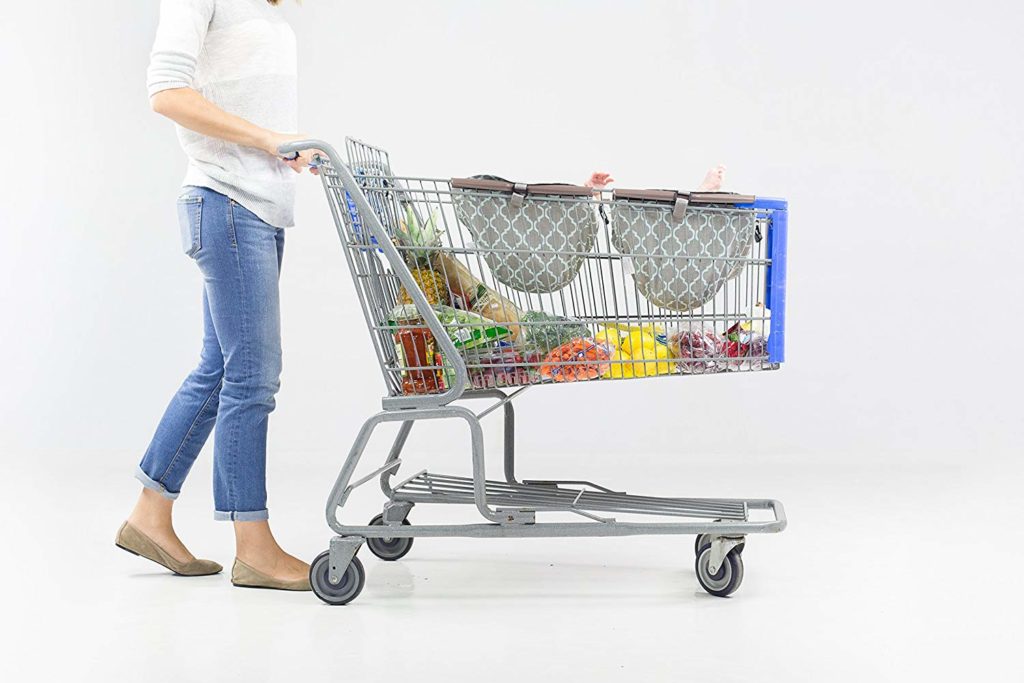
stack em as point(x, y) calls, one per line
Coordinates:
point(670, 196)
point(550, 189)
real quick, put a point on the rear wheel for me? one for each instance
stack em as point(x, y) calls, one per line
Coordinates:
point(388, 548)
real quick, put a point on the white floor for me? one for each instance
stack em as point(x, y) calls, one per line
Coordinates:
point(888, 571)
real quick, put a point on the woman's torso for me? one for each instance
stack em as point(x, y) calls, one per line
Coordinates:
point(247, 66)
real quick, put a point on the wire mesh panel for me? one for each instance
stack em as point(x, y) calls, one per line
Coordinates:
point(553, 285)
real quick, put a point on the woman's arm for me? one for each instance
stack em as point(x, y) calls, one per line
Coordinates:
point(179, 40)
point(189, 109)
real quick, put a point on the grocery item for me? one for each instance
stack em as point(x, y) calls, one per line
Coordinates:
point(470, 293)
point(417, 348)
point(743, 344)
point(636, 351)
point(502, 366)
point(545, 331)
point(697, 347)
point(430, 282)
point(492, 305)
point(420, 243)
point(466, 329)
point(578, 359)
point(463, 285)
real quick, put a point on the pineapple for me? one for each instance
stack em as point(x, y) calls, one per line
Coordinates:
point(433, 284)
point(421, 243)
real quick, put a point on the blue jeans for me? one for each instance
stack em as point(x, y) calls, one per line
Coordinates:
point(240, 365)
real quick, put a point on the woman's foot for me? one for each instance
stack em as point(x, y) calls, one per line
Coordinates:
point(713, 180)
point(260, 561)
point(152, 517)
point(149, 533)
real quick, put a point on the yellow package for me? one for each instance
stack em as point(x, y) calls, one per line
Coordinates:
point(611, 337)
point(635, 343)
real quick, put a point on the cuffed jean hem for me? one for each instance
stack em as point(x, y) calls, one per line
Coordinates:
point(243, 516)
point(153, 484)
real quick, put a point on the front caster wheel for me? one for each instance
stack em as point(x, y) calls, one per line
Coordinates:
point(343, 592)
point(728, 577)
point(388, 549)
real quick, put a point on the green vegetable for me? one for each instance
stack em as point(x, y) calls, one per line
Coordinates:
point(545, 332)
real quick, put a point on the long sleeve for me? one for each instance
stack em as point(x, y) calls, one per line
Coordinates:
point(179, 40)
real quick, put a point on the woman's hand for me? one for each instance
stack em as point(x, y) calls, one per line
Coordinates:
point(599, 180)
point(189, 109)
point(304, 160)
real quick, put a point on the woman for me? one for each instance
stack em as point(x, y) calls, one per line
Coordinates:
point(225, 72)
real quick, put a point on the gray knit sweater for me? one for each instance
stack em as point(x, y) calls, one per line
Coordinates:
point(240, 55)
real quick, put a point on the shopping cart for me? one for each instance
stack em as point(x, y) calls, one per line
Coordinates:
point(480, 288)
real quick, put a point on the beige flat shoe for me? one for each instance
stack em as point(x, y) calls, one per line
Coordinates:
point(137, 543)
point(244, 576)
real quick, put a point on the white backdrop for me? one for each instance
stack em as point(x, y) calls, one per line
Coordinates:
point(892, 433)
point(894, 132)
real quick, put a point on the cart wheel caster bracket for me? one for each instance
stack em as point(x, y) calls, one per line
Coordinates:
point(719, 565)
point(703, 540)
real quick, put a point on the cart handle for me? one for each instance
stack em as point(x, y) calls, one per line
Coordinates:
point(397, 263)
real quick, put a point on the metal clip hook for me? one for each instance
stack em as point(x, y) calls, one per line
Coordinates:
point(679, 210)
point(518, 195)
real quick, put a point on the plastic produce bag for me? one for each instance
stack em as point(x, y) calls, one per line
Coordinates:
point(577, 359)
point(544, 331)
point(744, 348)
point(697, 347)
point(502, 366)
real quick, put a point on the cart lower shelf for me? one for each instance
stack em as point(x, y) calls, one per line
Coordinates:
point(426, 487)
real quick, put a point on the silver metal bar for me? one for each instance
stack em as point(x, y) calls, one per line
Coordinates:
point(596, 518)
point(428, 487)
point(565, 529)
point(500, 403)
point(724, 504)
point(576, 482)
point(406, 481)
point(359, 482)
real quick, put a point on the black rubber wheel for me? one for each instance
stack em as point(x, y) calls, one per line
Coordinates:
point(698, 544)
point(388, 549)
point(726, 580)
point(343, 592)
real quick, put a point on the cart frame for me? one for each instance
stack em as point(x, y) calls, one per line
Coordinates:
point(509, 507)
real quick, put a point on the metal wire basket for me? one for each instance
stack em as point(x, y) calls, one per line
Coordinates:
point(645, 294)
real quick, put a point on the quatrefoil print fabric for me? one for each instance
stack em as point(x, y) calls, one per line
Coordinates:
point(537, 247)
point(681, 265)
